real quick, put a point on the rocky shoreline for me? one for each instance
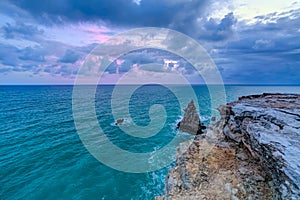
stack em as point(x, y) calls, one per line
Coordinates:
point(252, 152)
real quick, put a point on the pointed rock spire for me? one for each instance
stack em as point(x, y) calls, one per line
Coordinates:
point(191, 120)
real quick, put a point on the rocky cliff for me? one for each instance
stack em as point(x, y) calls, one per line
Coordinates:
point(252, 152)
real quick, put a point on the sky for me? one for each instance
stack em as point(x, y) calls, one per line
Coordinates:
point(250, 41)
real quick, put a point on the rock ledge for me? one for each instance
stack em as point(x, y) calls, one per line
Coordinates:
point(252, 152)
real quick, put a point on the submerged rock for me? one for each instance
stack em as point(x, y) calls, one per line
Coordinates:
point(191, 121)
point(254, 153)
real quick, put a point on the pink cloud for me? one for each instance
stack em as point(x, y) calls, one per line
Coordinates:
point(95, 32)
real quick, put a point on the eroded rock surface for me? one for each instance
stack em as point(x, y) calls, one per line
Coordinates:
point(191, 121)
point(252, 152)
point(119, 121)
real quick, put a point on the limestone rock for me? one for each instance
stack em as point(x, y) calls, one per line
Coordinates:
point(254, 153)
point(119, 121)
point(268, 125)
point(191, 121)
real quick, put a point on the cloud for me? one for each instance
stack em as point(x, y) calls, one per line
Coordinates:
point(65, 70)
point(142, 57)
point(124, 12)
point(189, 17)
point(265, 52)
point(185, 16)
point(33, 54)
point(213, 31)
point(153, 67)
point(41, 59)
point(224, 29)
point(20, 30)
point(8, 55)
point(262, 44)
point(151, 60)
point(4, 69)
point(70, 57)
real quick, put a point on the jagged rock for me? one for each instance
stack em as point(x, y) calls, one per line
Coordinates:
point(255, 151)
point(191, 121)
point(269, 127)
point(213, 174)
point(119, 121)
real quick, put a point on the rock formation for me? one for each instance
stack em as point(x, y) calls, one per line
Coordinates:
point(252, 152)
point(119, 121)
point(191, 121)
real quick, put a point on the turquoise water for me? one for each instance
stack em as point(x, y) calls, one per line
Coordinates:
point(42, 156)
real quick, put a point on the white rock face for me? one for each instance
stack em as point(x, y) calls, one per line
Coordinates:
point(252, 152)
point(269, 126)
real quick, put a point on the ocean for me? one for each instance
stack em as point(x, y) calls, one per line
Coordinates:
point(42, 155)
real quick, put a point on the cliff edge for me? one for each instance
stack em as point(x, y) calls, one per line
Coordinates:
point(252, 152)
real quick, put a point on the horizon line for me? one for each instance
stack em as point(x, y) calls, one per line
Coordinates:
point(227, 84)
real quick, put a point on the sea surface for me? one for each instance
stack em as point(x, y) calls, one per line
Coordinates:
point(42, 156)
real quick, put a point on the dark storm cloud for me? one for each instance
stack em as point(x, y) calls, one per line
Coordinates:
point(266, 52)
point(189, 17)
point(121, 12)
point(211, 30)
